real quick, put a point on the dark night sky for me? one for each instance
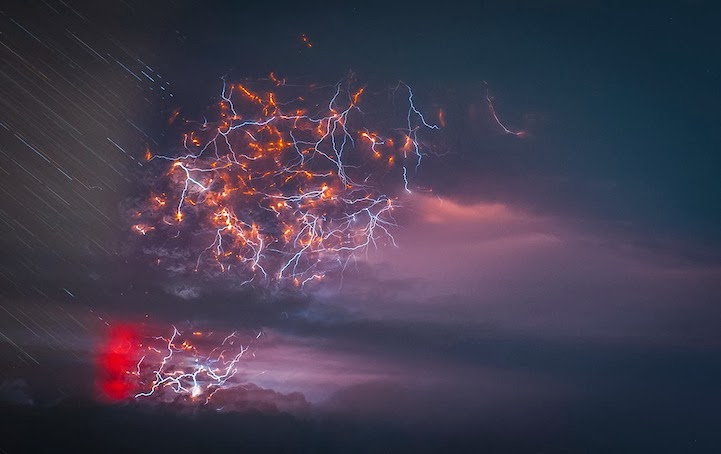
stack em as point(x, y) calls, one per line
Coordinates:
point(556, 292)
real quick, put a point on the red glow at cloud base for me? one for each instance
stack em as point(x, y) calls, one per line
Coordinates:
point(116, 356)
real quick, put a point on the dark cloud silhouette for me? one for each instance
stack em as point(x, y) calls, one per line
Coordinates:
point(16, 391)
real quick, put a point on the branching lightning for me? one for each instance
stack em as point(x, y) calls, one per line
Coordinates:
point(281, 186)
point(191, 365)
point(180, 367)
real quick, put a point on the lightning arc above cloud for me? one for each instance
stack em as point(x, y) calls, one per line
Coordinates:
point(284, 184)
